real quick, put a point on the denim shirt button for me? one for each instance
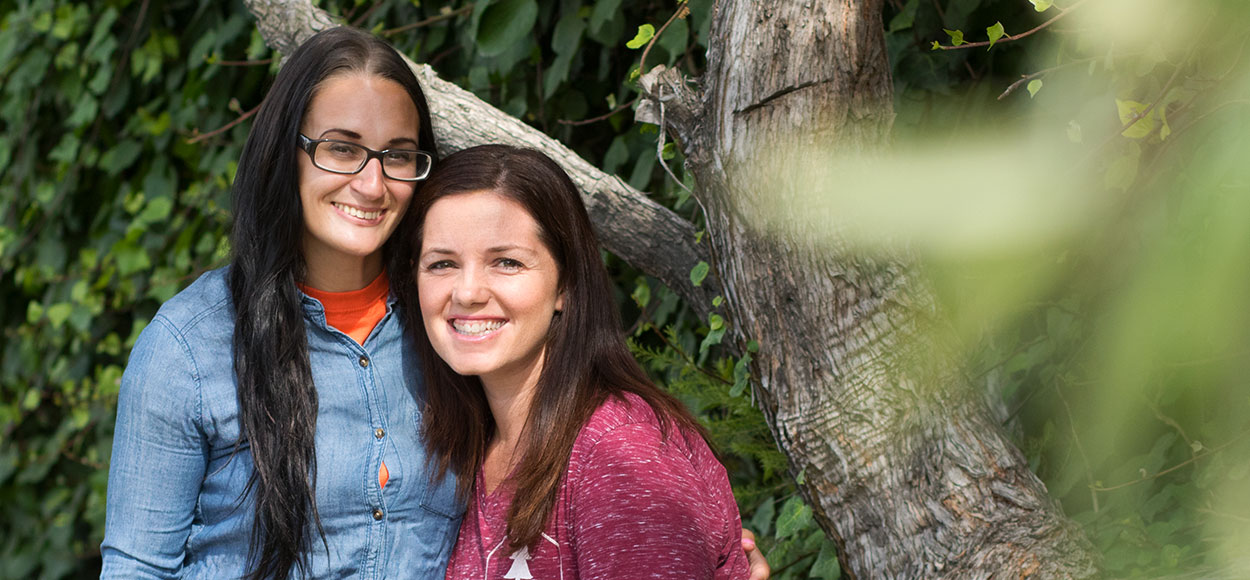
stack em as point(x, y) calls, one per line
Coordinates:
point(377, 514)
point(364, 361)
point(379, 433)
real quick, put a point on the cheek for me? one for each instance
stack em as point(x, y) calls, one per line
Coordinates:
point(403, 196)
point(430, 295)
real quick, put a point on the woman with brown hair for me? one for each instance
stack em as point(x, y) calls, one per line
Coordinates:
point(572, 462)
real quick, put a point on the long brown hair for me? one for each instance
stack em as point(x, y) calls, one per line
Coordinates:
point(276, 395)
point(586, 359)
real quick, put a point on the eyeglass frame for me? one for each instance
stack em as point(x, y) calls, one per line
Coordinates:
point(310, 146)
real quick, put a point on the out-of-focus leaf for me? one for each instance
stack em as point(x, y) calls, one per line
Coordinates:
point(505, 24)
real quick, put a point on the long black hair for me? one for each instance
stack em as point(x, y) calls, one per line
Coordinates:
point(276, 396)
point(585, 360)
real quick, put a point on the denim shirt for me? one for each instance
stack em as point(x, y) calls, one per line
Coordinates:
point(175, 506)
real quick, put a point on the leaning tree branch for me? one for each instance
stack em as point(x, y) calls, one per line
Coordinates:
point(640, 231)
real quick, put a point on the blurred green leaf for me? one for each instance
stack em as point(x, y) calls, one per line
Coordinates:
point(699, 273)
point(504, 24)
point(795, 516)
point(1034, 86)
point(827, 566)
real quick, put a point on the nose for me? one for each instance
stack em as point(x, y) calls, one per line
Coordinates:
point(471, 288)
point(370, 182)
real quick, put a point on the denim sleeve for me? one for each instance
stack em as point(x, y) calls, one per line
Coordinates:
point(158, 459)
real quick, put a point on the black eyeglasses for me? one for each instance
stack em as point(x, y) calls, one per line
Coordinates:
point(347, 158)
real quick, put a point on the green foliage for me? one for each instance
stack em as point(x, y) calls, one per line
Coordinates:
point(1117, 342)
point(106, 211)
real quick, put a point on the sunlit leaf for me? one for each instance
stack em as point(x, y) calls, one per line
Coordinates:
point(645, 33)
point(1034, 86)
point(957, 36)
point(1041, 5)
point(995, 32)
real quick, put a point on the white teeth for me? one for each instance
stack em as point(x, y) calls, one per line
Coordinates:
point(351, 211)
point(476, 327)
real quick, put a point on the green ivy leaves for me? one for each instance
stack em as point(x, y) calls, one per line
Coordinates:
point(504, 24)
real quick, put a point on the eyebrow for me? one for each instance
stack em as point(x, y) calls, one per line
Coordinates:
point(357, 136)
point(494, 250)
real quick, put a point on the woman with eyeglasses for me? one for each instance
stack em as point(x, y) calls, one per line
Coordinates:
point(268, 419)
point(266, 423)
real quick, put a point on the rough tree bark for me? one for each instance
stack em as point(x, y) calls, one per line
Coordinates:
point(904, 466)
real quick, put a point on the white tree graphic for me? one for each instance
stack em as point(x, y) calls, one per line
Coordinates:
point(520, 569)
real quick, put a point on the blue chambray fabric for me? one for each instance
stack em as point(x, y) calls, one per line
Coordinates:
point(174, 507)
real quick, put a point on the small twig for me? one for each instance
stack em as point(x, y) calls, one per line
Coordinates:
point(368, 12)
point(797, 559)
point(1233, 517)
point(681, 353)
point(260, 62)
point(1009, 37)
point(1214, 110)
point(1089, 474)
point(659, 148)
point(1026, 78)
point(600, 117)
point(1193, 459)
point(215, 132)
point(682, 11)
point(1170, 422)
point(428, 21)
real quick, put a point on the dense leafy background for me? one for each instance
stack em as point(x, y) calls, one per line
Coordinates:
point(1114, 342)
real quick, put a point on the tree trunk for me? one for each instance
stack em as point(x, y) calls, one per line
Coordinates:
point(903, 465)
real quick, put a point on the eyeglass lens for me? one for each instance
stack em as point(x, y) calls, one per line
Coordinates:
point(344, 157)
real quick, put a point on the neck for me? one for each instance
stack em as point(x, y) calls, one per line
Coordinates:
point(510, 407)
point(341, 273)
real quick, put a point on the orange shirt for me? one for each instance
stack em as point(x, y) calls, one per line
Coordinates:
point(355, 313)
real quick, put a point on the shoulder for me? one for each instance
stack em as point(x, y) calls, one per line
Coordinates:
point(205, 301)
point(626, 430)
point(187, 337)
point(627, 410)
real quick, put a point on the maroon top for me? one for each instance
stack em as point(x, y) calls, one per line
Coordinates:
point(632, 505)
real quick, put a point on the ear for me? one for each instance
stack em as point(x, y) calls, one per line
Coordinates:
point(560, 302)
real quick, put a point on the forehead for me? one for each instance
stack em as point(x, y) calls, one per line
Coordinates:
point(361, 103)
point(479, 218)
